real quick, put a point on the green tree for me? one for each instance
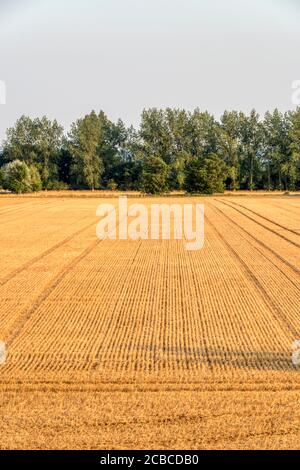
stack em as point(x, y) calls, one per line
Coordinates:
point(276, 147)
point(36, 142)
point(154, 134)
point(64, 161)
point(177, 170)
point(177, 122)
point(35, 179)
point(252, 141)
point(16, 177)
point(292, 166)
point(206, 176)
point(229, 140)
point(114, 151)
point(85, 140)
point(203, 134)
point(154, 176)
point(50, 135)
point(2, 183)
point(132, 158)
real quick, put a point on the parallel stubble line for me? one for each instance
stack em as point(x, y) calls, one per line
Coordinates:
point(128, 311)
point(21, 211)
point(276, 242)
point(14, 206)
point(52, 285)
point(26, 315)
point(295, 211)
point(37, 258)
point(265, 295)
point(267, 219)
point(264, 226)
point(229, 320)
point(258, 241)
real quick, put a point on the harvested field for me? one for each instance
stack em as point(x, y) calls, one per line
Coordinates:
point(143, 344)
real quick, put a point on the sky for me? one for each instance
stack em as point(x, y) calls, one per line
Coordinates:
point(63, 58)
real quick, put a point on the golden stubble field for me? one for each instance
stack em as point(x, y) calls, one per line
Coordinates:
point(143, 344)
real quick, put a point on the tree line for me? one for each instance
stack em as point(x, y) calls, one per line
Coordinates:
point(173, 149)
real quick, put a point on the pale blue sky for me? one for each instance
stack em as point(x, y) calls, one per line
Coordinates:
point(64, 58)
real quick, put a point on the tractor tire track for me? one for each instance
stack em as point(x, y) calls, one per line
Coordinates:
point(21, 209)
point(17, 206)
point(39, 257)
point(274, 253)
point(25, 315)
point(285, 209)
point(262, 225)
point(20, 217)
point(295, 232)
point(278, 314)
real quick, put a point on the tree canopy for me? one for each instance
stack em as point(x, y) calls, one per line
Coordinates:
point(173, 149)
